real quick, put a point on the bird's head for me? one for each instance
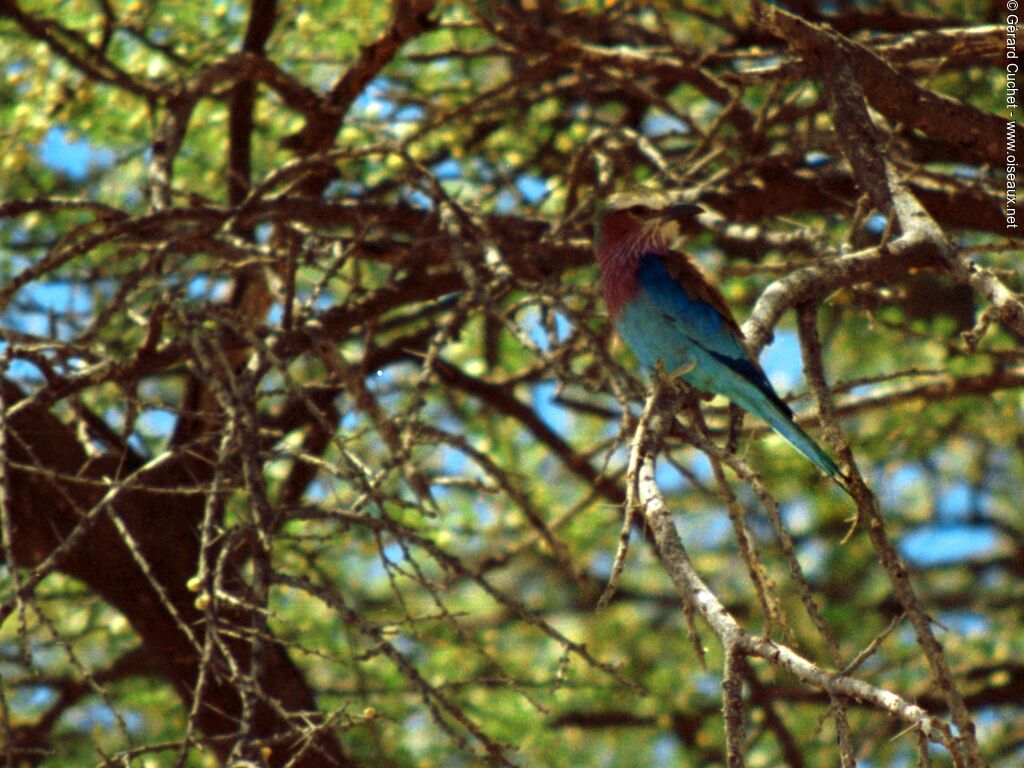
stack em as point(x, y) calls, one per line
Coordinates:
point(638, 222)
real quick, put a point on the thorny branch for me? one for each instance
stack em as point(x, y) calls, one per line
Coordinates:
point(292, 434)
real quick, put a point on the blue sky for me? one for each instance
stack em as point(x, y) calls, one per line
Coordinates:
point(75, 157)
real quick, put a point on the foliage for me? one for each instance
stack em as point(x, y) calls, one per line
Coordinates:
point(316, 434)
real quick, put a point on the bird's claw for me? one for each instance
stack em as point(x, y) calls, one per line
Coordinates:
point(674, 378)
point(684, 369)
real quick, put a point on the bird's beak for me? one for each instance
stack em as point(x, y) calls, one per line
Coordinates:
point(682, 211)
point(684, 217)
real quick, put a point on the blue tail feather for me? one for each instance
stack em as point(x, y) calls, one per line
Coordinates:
point(795, 436)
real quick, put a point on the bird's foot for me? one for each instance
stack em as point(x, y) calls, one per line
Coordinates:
point(674, 377)
point(682, 370)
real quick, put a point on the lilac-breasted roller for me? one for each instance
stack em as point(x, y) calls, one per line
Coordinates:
point(667, 310)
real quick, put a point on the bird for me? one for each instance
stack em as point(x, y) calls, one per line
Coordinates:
point(667, 309)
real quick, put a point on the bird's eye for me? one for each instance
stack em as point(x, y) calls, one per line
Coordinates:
point(640, 210)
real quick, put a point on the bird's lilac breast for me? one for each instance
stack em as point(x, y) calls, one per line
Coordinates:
point(619, 286)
